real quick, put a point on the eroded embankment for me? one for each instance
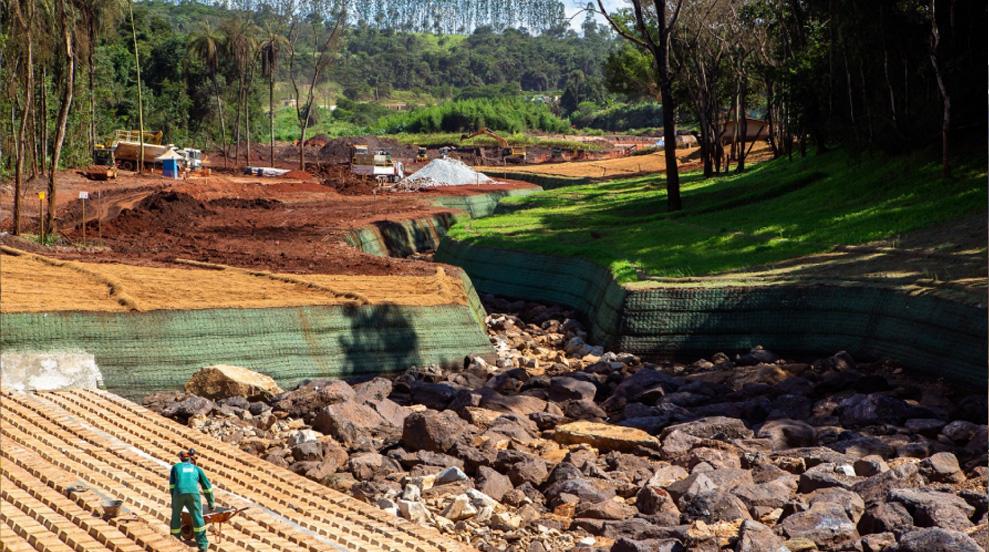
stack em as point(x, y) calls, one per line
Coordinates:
point(151, 328)
point(923, 326)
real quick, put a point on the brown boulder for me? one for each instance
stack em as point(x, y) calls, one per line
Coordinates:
point(221, 381)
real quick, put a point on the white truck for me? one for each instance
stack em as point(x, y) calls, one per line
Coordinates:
point(378, 165)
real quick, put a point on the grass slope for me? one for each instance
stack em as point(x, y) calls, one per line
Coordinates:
point(774, 211)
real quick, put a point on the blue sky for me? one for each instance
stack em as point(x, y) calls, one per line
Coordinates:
point(573, 6)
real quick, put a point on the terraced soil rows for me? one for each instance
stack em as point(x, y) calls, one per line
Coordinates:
point(55, 443)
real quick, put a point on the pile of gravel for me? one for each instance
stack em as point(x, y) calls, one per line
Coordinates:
point(446, 172)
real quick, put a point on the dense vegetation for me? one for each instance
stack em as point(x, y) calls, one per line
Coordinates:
point(774, 211)
point(507, 114)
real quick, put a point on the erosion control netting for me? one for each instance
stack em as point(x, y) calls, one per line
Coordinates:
point(138, 353)
point(930, 333)
point(446, 172)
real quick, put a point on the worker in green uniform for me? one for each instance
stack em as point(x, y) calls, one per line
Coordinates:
point(184, 482)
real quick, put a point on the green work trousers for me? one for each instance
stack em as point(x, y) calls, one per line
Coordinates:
point(194, 505)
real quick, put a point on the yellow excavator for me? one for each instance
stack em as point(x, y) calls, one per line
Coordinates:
point(508, 154)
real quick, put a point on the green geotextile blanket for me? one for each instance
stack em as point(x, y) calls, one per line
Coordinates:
point(931, 332)
point(142, 352)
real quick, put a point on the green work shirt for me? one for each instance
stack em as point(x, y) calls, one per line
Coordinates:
point(186, 478)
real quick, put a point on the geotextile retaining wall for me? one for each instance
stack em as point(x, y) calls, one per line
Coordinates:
point(922, 329)
point(389, 238)
point(138, 353)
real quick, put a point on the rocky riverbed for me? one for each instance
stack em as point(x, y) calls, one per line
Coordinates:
point(560, 445)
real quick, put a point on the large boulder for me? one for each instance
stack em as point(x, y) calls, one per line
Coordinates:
point(435, 431)
point(348, 422)
point(307, 399)
point(935, 508)
point(721, 428)
point(605, 436)
point(936, 539)
point(222, 380)
point(827, 525)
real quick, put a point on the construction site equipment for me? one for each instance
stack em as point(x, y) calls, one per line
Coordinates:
point(421, 154)
point(506, 153)
point(124, 151)
point(217, 517)
point(99, 172)
point(378, 165)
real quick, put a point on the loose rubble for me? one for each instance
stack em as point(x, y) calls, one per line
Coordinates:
point(557, 444)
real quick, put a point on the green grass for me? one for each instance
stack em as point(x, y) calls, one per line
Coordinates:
point(437, 139)
point(774, 211)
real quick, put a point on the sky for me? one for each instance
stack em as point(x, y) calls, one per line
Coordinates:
point(573, 6)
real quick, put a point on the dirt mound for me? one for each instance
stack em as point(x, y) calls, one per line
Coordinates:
point(301, 175)
point(157, 211)
point(239, 203)
point(338, 150)
point(339, 177)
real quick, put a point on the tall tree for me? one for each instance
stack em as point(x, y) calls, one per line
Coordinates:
point(205, 42)
point(653, 32)
point(96, 15)
point(270, 50)
point(66, 18)
point(325, 43)
point(23, 12)
point(140, 96)
point(942, 88)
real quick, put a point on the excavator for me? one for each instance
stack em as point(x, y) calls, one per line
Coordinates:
point(507, 153)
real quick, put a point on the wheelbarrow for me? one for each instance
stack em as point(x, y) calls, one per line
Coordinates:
point(218, 516)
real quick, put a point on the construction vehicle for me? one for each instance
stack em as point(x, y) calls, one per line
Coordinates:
point(378, 165)
point(506, 153)
point(421, 156)
point(124, 151)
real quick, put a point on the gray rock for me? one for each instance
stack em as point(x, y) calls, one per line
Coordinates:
point(493, 483)
point(935, 508)
point(757, 355)
point(756, 537)
point(308, 451)
point(763, 498)
point(712, 506)
point(878, 542)
point(852, 503)
point(886, 517)
point(370, 465)
point(942, 468)
point(451, 474)
point(648, 545)
point(867, 466)
point(827, 475)
point(190, 406)
point(721, 428)
point(929, 427)
point(690, 486)
point(874, 489)
point(786, 433)
point(587, 490)
point(655, 500)
point(937, 540)
point(375, 389)
point(436, 396)
point(568, 388)
point(313, 395)
point(876, 408)
point(826, 525)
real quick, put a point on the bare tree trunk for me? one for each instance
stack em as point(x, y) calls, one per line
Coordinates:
point(223, 128)
point(240, 104)
point(271, 116)
point(43, 120)
point(63, 112)
point(92, 84)
point(140, 97)
point(26, 116)
point(946, 114)
point(889, 82)
point(743, 123)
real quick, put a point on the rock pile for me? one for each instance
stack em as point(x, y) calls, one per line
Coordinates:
point(560, 445)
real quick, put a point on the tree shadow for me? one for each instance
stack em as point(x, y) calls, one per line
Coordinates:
point(381, 339)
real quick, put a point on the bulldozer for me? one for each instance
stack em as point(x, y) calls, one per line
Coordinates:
point(507, 153)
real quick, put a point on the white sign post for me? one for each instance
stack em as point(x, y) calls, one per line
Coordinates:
point(83, 196)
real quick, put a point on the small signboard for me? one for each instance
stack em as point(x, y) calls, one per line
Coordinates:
point(83, 195)
point(42, 195)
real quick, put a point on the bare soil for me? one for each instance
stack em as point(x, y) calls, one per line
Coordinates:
point(285, 224)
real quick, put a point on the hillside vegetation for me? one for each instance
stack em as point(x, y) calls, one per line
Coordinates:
point(776, 210)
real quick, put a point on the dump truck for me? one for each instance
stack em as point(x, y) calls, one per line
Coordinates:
point(378, 165)
point(124, 151)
